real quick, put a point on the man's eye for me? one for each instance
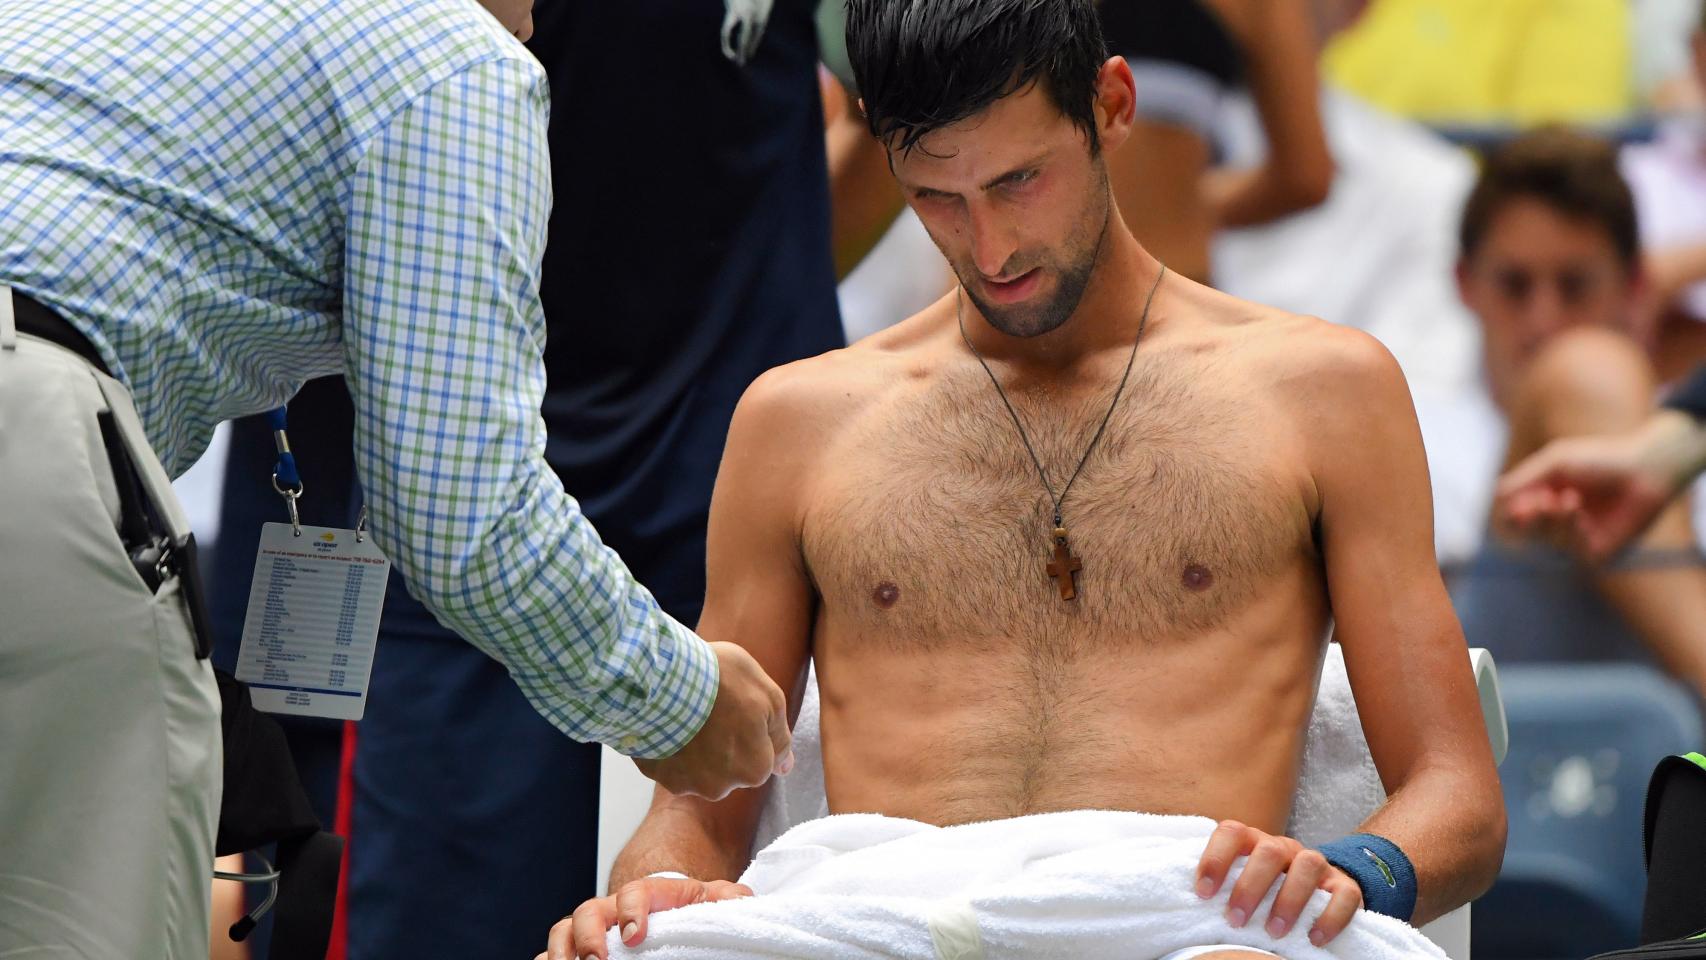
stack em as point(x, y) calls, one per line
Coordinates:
point(1022, 177)
point(1515, 285)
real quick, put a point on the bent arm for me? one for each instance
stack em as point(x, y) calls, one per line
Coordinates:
point(444, 341)
point(1279, 51)
point(757, 594)
point(1404, 650)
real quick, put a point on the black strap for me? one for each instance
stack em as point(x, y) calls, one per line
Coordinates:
point(37, 320)
point(307, 896)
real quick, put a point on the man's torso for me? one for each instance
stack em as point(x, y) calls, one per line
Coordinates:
point(1180, 678)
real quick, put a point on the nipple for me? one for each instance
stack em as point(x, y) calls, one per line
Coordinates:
point(1197, 577)
point(886, 594)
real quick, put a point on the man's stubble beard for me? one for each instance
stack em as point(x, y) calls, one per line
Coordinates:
point(1083, 252)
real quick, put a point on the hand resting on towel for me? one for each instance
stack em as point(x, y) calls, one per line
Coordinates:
point(1305, 872)
point(586, 929)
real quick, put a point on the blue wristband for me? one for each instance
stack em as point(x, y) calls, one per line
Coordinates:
point(1387, 880)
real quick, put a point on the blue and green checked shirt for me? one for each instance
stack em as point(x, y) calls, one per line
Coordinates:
point(229, 197)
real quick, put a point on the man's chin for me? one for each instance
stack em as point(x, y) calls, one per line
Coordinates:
point(1024, 322)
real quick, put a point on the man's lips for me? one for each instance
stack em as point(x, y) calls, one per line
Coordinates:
point(1014, 290)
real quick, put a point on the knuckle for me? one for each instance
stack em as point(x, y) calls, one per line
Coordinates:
point(1231, 825)
point(1309, 861)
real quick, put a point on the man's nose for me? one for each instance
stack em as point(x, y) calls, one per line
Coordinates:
point(1543, 312)
point(992, 242)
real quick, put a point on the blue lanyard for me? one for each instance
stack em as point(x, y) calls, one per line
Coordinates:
point(285, 479)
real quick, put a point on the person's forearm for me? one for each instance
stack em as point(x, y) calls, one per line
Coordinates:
point(1242, 197)
point(677, 837)
point(863, 196)
point(1279, 49)
point(1452, 828)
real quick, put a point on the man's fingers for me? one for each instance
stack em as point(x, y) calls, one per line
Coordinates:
point(557, 943)
point(726, 890)
point(1302, 878)
point(1229, 841)
point(1347, 897)
point(1267, 861)
point(1537, 471)
point(633, 905)
point(586, 931)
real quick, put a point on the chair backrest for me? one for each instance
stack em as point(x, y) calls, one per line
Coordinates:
point(1583, 742)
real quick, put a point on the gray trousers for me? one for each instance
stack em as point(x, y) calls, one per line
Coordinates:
point(110, 759)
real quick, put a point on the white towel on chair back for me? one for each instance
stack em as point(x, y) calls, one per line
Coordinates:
point(1085, 884)
point(1337, 787)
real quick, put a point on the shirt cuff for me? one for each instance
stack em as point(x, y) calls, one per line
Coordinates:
point(683, 693)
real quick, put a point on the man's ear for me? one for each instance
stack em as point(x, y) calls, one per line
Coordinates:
point(1116, 102)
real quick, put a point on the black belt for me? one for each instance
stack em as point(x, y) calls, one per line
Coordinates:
point(39, 321)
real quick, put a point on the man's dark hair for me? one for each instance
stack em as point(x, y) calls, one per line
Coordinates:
point(921, 65)
point(1573, 173)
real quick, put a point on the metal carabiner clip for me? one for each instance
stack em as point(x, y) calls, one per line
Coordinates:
point(290, 494)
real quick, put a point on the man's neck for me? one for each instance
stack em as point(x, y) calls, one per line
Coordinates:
point(1106, 318)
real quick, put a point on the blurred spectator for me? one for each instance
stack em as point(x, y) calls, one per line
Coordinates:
point(1186, 56)
point(1550, 263)
point(1668, 177)
point(1475, 62)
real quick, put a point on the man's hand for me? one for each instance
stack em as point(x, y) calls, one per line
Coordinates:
point(1594, 494)
point(743, 741)
point(1305, 872)
point(584, 933)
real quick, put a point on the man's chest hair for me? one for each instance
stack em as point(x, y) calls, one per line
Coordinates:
point(935, 527)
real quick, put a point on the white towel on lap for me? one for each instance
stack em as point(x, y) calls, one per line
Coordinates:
point(1085, 884)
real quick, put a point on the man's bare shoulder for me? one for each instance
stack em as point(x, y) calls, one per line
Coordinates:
point(819, 396)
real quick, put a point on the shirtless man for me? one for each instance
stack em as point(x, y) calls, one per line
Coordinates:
point(877, 511)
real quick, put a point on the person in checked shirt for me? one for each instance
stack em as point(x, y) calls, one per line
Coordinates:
point(204, 203)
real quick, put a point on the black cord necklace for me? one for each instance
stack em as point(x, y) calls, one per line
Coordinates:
point(1064, 567)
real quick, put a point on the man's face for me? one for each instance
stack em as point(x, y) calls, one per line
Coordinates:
point(1537, 273)
point(515, 15)
point(1017, 204)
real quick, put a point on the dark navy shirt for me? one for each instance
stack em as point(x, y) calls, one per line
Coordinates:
point(689, 252)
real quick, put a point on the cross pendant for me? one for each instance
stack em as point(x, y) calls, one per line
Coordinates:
point(1064, 567)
